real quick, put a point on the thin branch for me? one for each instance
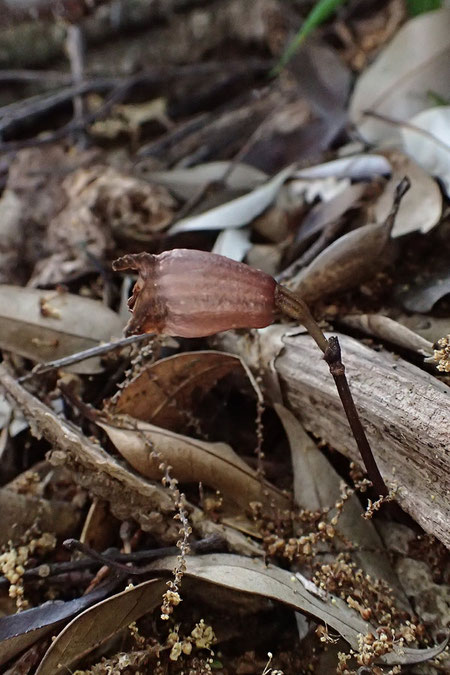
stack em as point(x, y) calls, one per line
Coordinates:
point(99, 350)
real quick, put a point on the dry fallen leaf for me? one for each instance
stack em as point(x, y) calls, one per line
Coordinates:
point(245, 575)
point(427, 139)
point(192, 461)
point(344, 264)
point(398, 83)
point(95, 625)
point(44, 325)
point(421, 207)
point(423, 296)
point(383, 327)
point(237, 212)
point(19, 631)
point(163, 392)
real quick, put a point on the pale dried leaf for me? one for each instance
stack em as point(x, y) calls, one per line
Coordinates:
point(44, 325)
point(237, 212)
point(233, 244)
point(97, 624)
point(398, 83)
point(356, 167)
point(185, 182)
point(430, 149)
point(421, 207)
point(383, 327)
point(193, 461)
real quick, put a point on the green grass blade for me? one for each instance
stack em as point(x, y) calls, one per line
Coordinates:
point(416, 7)
point(318, 14)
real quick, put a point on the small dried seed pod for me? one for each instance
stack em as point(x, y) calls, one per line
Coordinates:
point(188, 293)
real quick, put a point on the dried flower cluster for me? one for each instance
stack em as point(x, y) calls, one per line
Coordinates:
point(442, 355)
point(14, 560)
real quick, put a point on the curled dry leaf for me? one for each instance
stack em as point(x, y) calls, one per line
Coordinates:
point(163, 392)
point(47, 325)
point(192, 461)
point(398, 83)
point(95, 625)
point(383, 327)
point(233, 244)
point(245, 575)
point(237, 212)
point(421, 207)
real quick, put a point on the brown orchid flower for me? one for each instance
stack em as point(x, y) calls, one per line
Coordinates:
point(188, 293)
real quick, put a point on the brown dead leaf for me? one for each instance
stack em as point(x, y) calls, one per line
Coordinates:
point(163, 393)
point(344, 264)
point(95, 625)
point(44, 325)
point(192, 461)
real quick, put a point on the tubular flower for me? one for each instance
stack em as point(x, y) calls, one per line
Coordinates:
point(188, 293)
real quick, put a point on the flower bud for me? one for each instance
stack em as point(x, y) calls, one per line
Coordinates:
point(189, 293)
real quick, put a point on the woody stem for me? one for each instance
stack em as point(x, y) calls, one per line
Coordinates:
point(294, 307)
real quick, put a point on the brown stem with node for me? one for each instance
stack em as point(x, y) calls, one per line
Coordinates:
point(294, 307)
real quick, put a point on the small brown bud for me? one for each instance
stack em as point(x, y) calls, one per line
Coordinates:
point(189, 293)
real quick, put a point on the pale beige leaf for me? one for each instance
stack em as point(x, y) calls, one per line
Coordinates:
point(387, 329)
point(398, 83)
point(193, 461)
point(421, 207)
point(47, 325)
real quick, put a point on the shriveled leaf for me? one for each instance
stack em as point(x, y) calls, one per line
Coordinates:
point(431, 147)
point(185, 182)
point(233, 244)
point(19, 631)
point(99, 623)
point(163, 392)
point(193, 461)
point(317, 485)
point(47, 325)
point(237, 212)
point(422, 297)
point(344, 264)
point(421, 207)
point(398, 83)
point(245, 575)
point(387, 329)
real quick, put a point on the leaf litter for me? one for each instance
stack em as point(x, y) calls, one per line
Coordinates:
point(175, 442)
